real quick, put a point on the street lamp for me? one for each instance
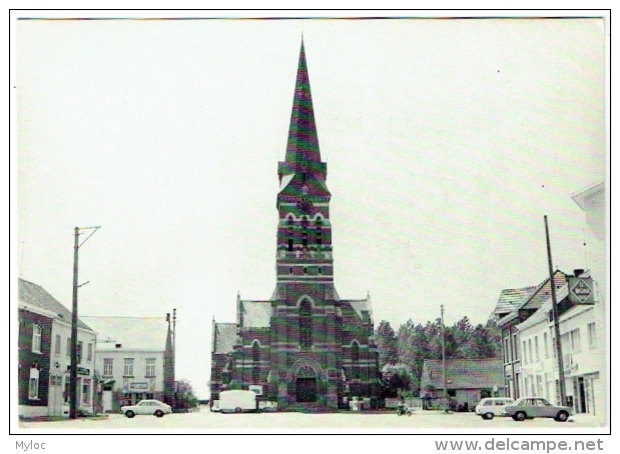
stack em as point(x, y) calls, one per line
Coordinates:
point(74, 321)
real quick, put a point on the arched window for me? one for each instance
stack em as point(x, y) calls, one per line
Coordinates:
point(289, 220)
point(355, 352)
point(319, 230)
point(355, 357)
point(290, 244)
point(255, 351)
point(305, 324)
point(255, 360)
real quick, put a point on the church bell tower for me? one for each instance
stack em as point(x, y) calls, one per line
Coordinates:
point(304, 245)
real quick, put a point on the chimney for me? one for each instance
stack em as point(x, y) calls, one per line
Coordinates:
point(578, 272)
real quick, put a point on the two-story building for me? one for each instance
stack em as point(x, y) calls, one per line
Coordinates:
point(513, 307)
point(45, 356)
point(135, 360)
point(581, 354)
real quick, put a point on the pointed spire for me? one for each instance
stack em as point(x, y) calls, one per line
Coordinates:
point(302, 150)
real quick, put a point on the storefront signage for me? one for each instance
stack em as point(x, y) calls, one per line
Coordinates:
point(80, 370)
point(140, 385)
point(581, 290)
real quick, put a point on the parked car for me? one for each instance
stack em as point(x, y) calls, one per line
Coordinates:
point(537, 407)
point(147, 407)
point(493, 406)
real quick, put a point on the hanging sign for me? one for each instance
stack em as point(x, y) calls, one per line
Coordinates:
point(581, 290)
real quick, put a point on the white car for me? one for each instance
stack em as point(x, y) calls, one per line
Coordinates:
point(493, 406)
point(147, 407)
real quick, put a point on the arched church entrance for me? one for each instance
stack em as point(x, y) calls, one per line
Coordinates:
point(306, 384)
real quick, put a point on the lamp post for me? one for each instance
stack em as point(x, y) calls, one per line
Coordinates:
point(74, 321)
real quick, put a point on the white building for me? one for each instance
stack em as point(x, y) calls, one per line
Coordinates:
point(581, 352)
point(593, 202)
point(134, 360)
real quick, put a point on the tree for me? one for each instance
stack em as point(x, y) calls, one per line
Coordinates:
point(185, 397)
point(387, 344)
point(396, 380)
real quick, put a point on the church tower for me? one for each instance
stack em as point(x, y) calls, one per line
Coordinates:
point(304, 247)
point(305, 348)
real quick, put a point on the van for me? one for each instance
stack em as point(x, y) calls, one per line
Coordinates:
point(493, 406)
point(237, 401)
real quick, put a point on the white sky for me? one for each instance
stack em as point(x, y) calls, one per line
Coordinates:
point(446, 142)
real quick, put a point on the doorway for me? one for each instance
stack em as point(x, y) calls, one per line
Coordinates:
point(306, 389)
point(582, 396)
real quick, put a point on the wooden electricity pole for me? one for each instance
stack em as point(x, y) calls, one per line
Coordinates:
point(74, 322)
point(556, 322)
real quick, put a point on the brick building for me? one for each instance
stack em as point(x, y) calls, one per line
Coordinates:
point(305, 347)
point(45, 356)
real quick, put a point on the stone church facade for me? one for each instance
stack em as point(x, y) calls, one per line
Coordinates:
point(305, 347)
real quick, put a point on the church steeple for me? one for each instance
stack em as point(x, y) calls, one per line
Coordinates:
point(304, 247)
point(303, 154)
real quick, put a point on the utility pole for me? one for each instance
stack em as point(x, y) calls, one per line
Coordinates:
point(443, 361)
point(74, 321)
point(556, 322)
point(174, 336)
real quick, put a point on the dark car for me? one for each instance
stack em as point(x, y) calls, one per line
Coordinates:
point(537, 407)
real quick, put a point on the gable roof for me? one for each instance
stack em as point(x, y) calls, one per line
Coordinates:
point(464, 373)
point(359, 306)
point(34, 295)
point(542, 314)
point(256, 314)
point(543, 292)
point(225, 337)
point(512, 298)
point(132, 333)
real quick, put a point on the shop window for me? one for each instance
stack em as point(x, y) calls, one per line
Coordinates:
point(86, 391)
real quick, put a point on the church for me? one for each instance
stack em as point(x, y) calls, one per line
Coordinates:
point(305, 347)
